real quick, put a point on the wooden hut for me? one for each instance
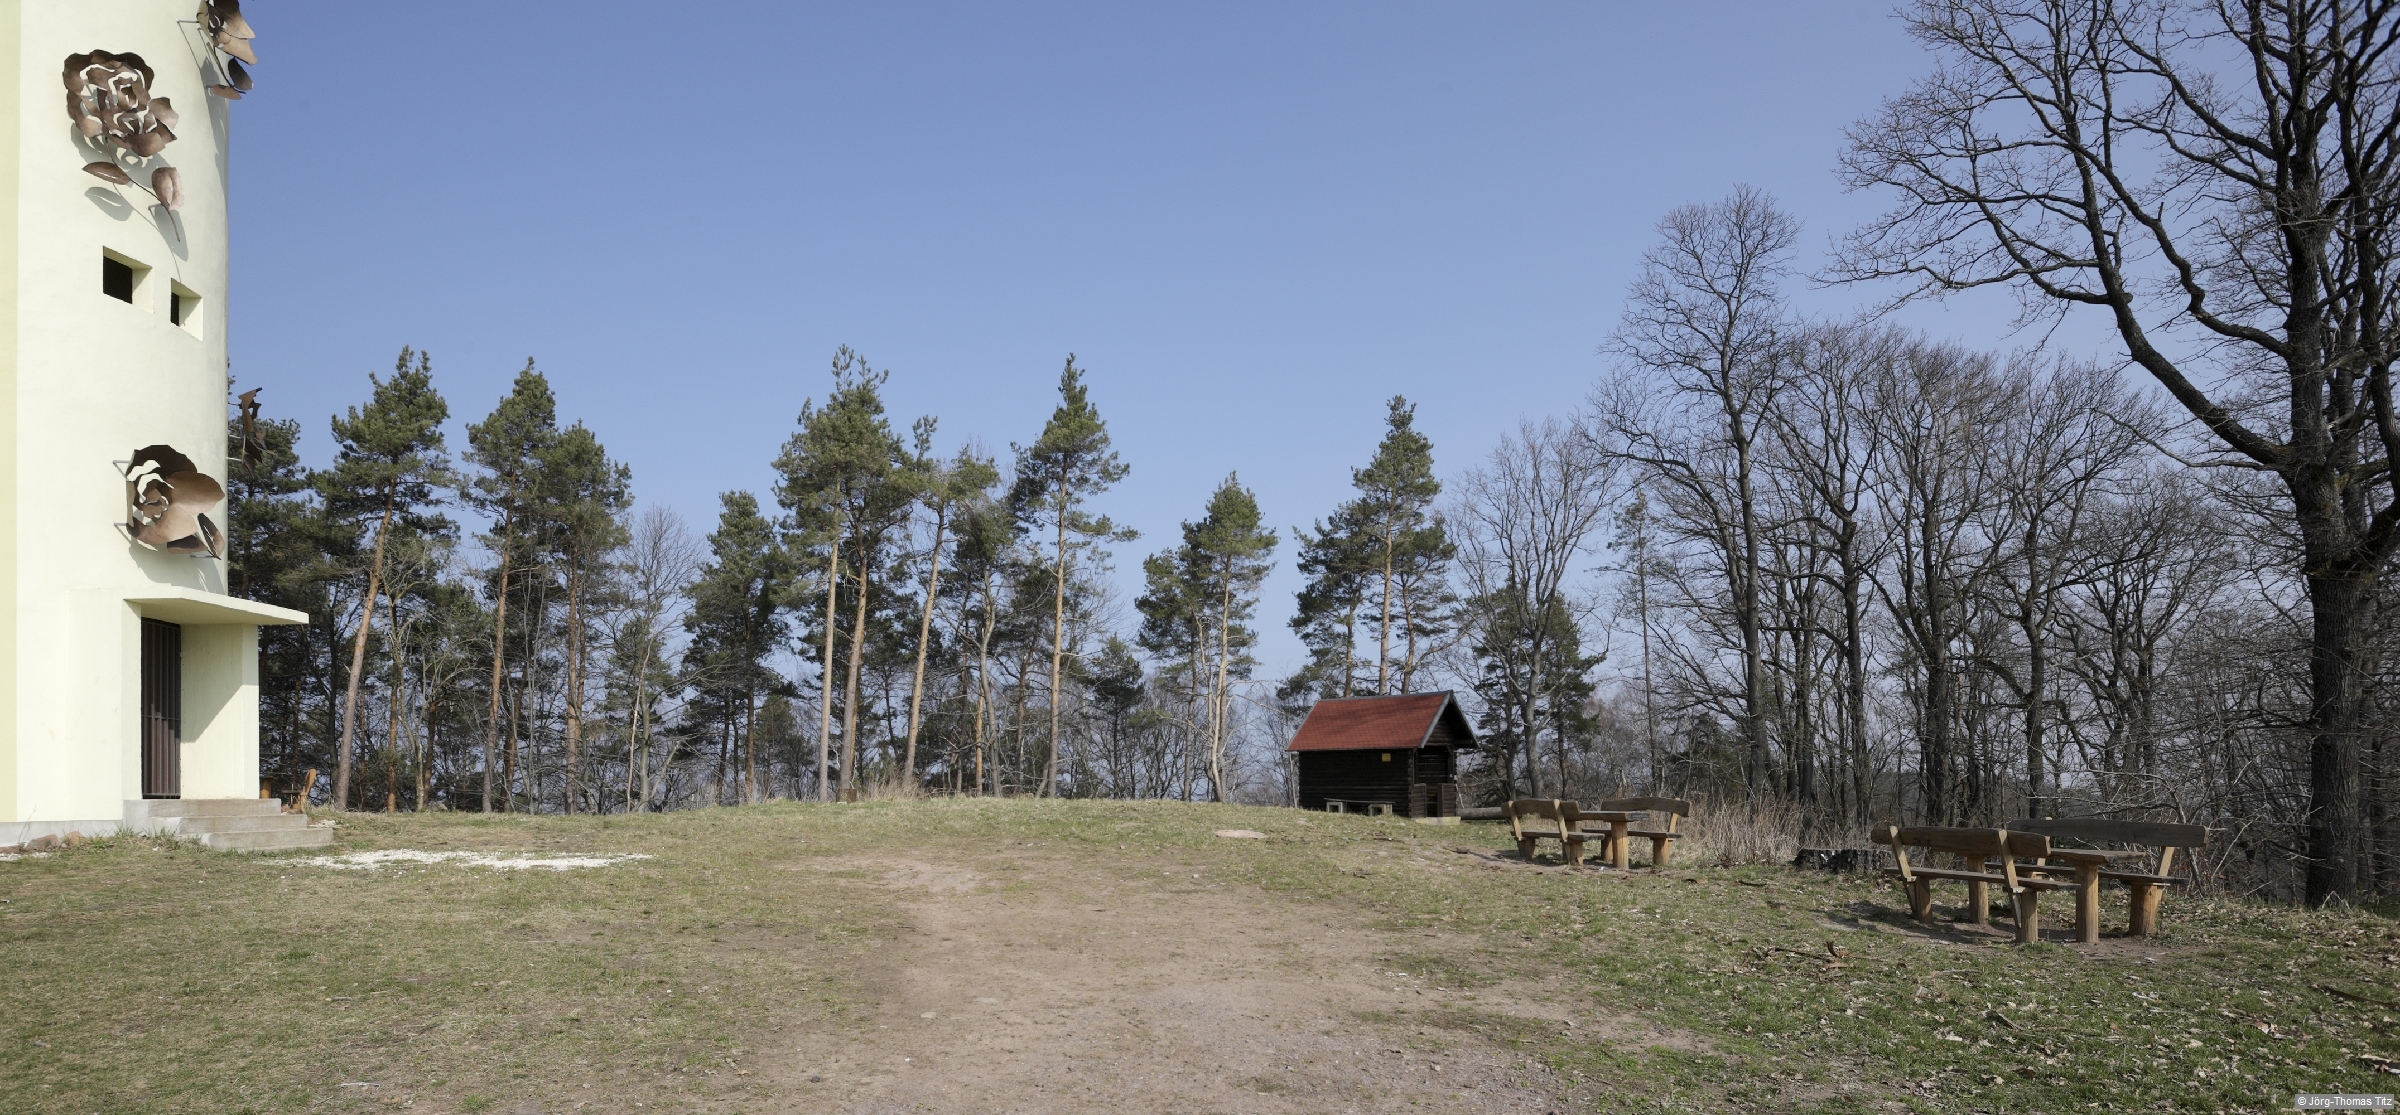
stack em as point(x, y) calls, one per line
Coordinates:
point(1400, 752)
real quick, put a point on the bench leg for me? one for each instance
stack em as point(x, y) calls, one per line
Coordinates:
point(2087, 903)
point(1920, 900)
point(1525, 848)
point(1660, 848)
point(1574, 850)
point(2029, 916)
point(2145, 898)
point(1620, 854)
point(1979, 895)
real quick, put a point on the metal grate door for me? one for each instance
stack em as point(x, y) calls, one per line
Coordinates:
point(162, 709)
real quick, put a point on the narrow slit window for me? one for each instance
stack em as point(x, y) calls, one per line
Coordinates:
point(116, 279)
point(183, 308)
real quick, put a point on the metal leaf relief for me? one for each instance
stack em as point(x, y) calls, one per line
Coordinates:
point(109, 172)
point(167, 498)
point(167, 186)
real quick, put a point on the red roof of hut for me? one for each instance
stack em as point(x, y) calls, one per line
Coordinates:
point(1408, 721)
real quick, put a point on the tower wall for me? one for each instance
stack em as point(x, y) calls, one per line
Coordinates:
point(85, 380)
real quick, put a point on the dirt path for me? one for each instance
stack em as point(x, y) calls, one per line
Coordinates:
point(1026, 985)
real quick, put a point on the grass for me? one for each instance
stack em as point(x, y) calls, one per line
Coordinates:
point(155, 977)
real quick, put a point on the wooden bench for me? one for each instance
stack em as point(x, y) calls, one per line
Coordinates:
point(1977, 848)
point(1662, 839)
point(1533, 820)
point(2146, 888)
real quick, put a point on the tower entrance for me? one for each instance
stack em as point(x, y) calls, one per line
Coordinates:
point(162, 709)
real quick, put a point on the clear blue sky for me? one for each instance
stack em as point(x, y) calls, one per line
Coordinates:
point(1252, 222)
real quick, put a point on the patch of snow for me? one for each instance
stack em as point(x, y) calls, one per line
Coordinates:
point(1241, 834)
point(368, 861)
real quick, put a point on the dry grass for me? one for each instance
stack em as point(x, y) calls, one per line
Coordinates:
point(1756, 831)
point(149, 977)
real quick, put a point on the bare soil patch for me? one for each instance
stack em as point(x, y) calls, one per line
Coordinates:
point(1037, 985)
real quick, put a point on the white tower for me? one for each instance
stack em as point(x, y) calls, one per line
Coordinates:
point(128, 678)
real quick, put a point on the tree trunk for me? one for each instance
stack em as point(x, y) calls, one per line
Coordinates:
point(983, 677)
point(1854, 683)
point(574, 708)
point(1383, 653)
point(1754, 670)
point(2034, 623)
point(1058, 636)
point(426, 742)
point(2343, 604)
point(916, 689)
point(1350, 651)
point(527, 664)
point(750, 747)
point(1024, 683)
point(1641, 588)
point(833, 584)
point(858, 647)
point(1219, 707)
point(358, 660)
point(491, 731)
point(398, 701)
point(1192, 763)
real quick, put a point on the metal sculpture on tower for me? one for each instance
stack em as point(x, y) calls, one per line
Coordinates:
point(167, 499)
point(221, 23)
point(108, 97)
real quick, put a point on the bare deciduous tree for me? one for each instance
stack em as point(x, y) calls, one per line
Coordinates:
point(1702, 337)
point(1528, 516)
point(2219, 180)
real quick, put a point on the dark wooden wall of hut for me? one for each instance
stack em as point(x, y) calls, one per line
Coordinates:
point(1366, 776)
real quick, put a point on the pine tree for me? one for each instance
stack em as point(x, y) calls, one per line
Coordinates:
point(1531, 671)
point(987, 535)
point(945, 490)
point(1174, 633)
point(585, 496)
point(508, 445)
point(1229, 555)
point(1385, 552)
point(1062, 470)
point(388, 464)
point(842, 484)
point(281, 547)
point(735, 623)
point(1410, 547)
point(1336, 559)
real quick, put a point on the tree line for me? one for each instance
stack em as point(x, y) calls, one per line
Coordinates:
point(1826, 562)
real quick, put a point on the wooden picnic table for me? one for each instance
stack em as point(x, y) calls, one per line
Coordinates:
point(1619, 856)
point(2145, 884)
point(2088, 864)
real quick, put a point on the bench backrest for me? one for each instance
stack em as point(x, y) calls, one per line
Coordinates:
point(1976, 846)
point(1552, 810)
point(1670, 808)
point(2165, 836)
point(2095, 830)
point(1965, 841)
point(1673, 806)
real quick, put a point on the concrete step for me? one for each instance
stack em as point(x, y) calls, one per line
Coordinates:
point(266, 840)
point(268, 822)
point(205, 807)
